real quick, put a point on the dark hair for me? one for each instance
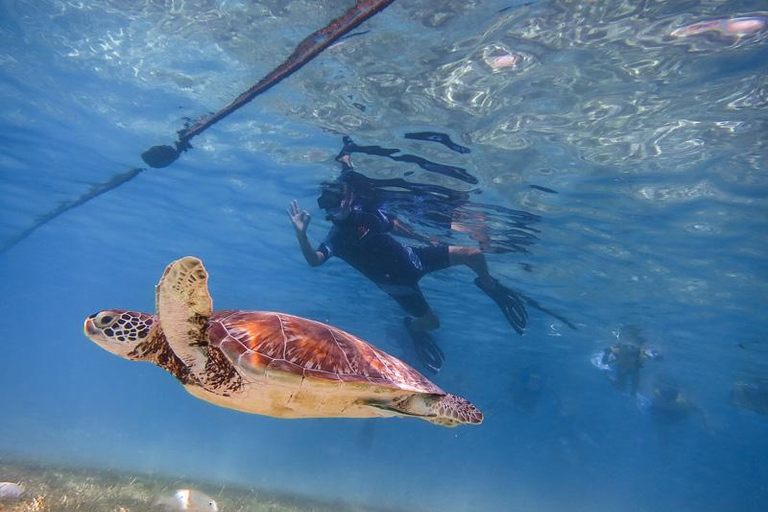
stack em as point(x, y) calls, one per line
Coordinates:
point(331, 194)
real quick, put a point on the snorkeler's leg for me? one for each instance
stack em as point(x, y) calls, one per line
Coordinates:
point(426, 322)
point(418, 325)
point(471, 257)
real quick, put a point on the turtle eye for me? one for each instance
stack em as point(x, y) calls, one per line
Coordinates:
point(106, 320)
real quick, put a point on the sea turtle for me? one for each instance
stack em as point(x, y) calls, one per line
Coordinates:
point(269, 363)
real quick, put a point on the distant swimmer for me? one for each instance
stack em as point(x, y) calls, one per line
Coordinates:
point(736, 27)
point(269, 363)
point(751, 395)
point(624, 360)
point(532, 387)
point(187, 500)
point(668, 404)
point(362, 236)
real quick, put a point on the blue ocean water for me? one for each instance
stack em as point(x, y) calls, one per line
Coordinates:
point(653, 138)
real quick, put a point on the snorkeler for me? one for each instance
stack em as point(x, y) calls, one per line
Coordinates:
point(362, 236)
point(626, 359)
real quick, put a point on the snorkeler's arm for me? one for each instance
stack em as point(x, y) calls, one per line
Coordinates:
point(314, 258)
point(400, 228)
point(607, 353)
point(300, 220)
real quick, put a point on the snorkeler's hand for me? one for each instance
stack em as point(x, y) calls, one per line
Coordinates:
point(299, 218)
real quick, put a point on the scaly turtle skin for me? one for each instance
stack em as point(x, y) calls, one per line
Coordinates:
point(269, 363)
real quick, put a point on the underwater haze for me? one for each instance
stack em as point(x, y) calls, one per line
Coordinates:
point(634, 132)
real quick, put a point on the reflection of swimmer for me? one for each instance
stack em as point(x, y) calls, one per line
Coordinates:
point(441, 138)
point(626, 359)
point(475, 225)
point(751, 395)
point(503, 61)
point(724, 26)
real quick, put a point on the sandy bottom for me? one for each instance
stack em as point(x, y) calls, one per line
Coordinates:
point(56, 488)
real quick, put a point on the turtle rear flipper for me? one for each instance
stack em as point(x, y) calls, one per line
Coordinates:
point(184, 306)
point(444, 410)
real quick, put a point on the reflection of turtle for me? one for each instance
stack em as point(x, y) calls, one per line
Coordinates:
point(269, 363)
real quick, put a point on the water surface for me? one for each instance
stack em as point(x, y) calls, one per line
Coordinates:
point(654, 144)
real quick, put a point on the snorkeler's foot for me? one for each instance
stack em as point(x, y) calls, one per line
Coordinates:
point(345, 161)
point(511, 303)
point(427, 350)
point(345, 155)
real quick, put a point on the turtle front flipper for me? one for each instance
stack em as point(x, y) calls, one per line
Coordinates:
point(444, 410)
point(184, 306)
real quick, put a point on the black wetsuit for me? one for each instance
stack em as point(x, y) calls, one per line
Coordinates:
point(364, 241)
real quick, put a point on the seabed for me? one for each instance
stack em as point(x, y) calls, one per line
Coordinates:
point(55, 488)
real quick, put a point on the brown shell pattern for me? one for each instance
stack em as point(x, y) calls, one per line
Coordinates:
point(260, 341)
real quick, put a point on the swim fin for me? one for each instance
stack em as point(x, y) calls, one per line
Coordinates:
point(535, 304)
point(430, 354)
point(511, 303)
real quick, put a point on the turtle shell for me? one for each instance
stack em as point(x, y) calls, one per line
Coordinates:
point(271, 345)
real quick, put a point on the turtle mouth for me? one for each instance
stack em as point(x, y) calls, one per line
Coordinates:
point(89, 329)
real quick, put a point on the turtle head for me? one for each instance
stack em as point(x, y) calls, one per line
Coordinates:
point(121, 332)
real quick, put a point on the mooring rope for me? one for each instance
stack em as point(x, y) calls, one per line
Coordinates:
point(163, 156)
point(308, 49)
point(95, 191)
